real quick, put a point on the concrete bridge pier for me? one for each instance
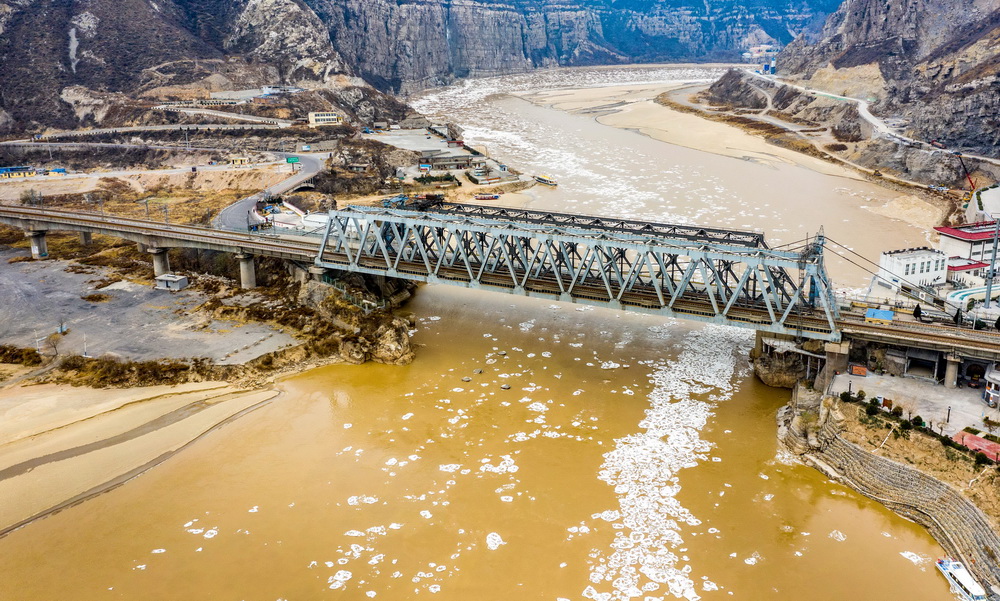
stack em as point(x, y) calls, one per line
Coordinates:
point(951, 370)
point(836, 363)
point(39, 247)
point(161, 263)
point(86, 238)
point(316, 272)
point(248, 273)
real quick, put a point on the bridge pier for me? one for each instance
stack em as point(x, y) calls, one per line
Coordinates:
point(39, 247)
point(836, 363)
point(316, 272)
point(161, 263)
point(86, 238)
point(951, 370)
point(248, 273)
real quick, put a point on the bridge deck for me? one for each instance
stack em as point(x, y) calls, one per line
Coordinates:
point(975, 343)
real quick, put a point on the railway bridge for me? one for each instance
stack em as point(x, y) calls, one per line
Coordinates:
point(705, 274)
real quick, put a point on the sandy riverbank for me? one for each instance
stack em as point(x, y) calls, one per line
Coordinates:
point(61, 445)
point(633, 107)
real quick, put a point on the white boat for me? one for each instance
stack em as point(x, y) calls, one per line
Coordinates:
point(962, 582)
point(544, 179)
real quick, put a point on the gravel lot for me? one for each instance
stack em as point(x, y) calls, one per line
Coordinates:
point(138, 322)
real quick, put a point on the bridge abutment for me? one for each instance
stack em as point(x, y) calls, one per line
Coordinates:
point(316, 272)
point(39, 247)
point(161, 264)
point(248, 273)
point(86, 238)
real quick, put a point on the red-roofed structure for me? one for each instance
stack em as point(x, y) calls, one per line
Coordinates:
point(960, 264)
point(973, 241)
point(972, 231)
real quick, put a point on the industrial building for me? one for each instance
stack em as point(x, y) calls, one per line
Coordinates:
point(923, 266)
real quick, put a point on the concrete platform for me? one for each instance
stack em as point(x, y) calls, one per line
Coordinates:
point(929, 401)
point(136, 322)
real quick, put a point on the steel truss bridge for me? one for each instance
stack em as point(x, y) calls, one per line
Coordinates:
point(706, 274)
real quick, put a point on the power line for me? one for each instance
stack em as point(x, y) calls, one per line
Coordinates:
point(863, 268)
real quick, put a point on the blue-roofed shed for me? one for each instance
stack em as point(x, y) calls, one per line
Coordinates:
point(879, 316)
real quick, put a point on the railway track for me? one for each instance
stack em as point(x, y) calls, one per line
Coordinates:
point(641, 297)
point(167, 235)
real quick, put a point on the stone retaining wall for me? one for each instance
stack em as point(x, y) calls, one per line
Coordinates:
point(958, 525)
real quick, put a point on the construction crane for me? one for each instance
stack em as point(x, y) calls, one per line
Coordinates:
point(972, 183)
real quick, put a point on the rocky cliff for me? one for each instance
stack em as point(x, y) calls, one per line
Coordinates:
point(406, 45)
point(59, 57)
point(935, 63)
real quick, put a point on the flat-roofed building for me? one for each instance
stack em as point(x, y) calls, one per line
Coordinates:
point(910, 267)
point(318, 119)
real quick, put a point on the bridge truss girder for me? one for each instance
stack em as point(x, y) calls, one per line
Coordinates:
point(706, 281)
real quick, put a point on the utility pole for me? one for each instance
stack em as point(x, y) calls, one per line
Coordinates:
point(993, 263)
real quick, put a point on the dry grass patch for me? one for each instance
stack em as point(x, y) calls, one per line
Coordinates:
point(97, 297)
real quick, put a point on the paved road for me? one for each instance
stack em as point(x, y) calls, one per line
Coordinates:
point(879, 125)
point(235, 217)
point(126, 173)
point(226, 115)
point(79, 145)
point(172, 127)
point(680, 96)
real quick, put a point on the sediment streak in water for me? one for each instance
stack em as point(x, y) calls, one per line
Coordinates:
point(643, 470)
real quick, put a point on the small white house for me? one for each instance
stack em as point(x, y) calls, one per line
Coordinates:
point(171, 281)
point(922, 266)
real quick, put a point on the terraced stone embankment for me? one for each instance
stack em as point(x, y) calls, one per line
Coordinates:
point(957, 524)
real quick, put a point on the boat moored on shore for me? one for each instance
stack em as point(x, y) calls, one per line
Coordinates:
point(962, 582)
point(547, 180)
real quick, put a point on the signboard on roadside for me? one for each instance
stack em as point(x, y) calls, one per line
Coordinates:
point(292, 159)
point(306, 148)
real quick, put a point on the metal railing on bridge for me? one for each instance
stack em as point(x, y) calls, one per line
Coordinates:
point(718, 276)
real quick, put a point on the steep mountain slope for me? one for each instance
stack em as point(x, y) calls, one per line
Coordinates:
point(60, 58)
point(55, 54)
point(402, 44)
point(936, 63)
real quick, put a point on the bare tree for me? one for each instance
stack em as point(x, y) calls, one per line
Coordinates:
point(53, 341)
point(908, 406)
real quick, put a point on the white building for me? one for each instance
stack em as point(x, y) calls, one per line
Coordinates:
point(967, 273)
point(317, 119)
point(912, 267)
point(972, 241)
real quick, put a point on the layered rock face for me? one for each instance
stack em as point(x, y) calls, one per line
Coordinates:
point(173, 48)
point(936, 63)
point(408, 45)
point(100, 46)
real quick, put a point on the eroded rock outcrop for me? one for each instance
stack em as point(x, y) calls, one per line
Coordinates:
point(183, 48)
point(934, 63)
